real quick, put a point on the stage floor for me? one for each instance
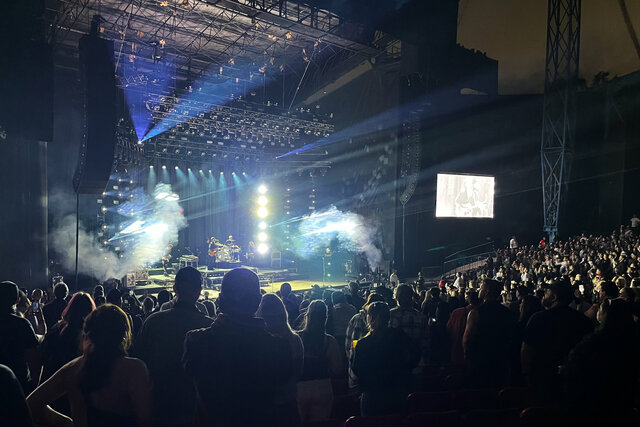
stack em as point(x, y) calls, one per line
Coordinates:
point(270, 281)
point(296, 286)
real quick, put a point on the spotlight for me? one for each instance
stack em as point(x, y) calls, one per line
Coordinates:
point(262, 236)
point(200, 170)
point(221, 173)
point(233, 173)
point(263, 248)
point(262, 189)
point(262, 212)
point(209, 170)
point(176, 168)
point(151, 167)
point(262, 201)
point(262, 225)
point(164, 166)
point(244, 173)
point(189, 169)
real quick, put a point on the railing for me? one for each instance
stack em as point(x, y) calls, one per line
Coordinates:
point(465, 263)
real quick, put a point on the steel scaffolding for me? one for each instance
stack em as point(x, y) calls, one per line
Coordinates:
point(559, 110)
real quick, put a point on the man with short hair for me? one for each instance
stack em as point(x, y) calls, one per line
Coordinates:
point(548, 338)
point(487, 338)
point(52, 312)
point(160, 345)
point(236, 364)
point(18, 341)
point(406, 317)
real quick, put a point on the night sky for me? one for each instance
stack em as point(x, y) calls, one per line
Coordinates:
point(514, 33)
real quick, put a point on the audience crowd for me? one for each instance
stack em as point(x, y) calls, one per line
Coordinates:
point(557, 320)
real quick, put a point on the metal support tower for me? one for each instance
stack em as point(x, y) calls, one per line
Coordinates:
point(559, 110)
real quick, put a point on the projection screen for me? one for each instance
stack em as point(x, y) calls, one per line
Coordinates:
point(464, 196)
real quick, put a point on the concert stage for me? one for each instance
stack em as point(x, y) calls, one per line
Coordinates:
point(270, 280)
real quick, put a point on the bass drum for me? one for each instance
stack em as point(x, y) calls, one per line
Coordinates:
point(224, 255)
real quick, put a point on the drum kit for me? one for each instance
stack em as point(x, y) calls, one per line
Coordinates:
point(225, 252)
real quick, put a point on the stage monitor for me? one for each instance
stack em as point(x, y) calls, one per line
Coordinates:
point(464, 196)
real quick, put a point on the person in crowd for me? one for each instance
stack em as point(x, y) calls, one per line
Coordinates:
point(32, 312)
point(211, 308)
point(98, 291)
point(439, 342)
point(342, 314)
point(356, 299)
point(413, 323)
point(148, 307)
point(356, 330)
point(163, 297)
point(53, 311)
point(548, 338)
point(160, 345)
point(13, 407)
point(293, 309)
point(457, 323)
point(430, 303)
point(169, 305)
point(394, 280)
point(529, 305)
point(601, 373)
point(104, 386)
point(274, 313)
point(18, 341)
point(488, 338)
point(236, 365)
point(383, 362)
point(63, 341)
point(322, 361)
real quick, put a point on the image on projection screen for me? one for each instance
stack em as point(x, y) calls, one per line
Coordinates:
point(464, 196)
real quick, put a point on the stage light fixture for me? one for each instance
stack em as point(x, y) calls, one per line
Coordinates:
point(262, 212)
point(262, 236)
point(263, 248)
point(151, 167)
point(176, 168)
point(262, 201)
point(164, 166)
point(262, 225)
point(262, 189)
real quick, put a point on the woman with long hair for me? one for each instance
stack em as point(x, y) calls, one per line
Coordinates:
point(63, 341)
point(322, 360)
point(104, 386)
point(275, 316)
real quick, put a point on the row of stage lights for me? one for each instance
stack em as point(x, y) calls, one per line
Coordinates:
point(262, 213)
point(200, 170)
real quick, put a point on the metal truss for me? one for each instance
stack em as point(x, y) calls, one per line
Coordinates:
point(559, 110)
point(196, 35)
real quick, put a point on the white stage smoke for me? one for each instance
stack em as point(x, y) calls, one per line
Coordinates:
point(352, 231)
point(152, 223)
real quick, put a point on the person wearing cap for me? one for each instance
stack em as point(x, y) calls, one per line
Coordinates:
point(236, 365)
point(548, 338)
point(160, 344)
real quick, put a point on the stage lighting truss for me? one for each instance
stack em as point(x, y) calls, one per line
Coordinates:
point(242, 132)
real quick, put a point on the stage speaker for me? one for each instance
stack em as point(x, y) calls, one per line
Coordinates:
point(99, 115)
